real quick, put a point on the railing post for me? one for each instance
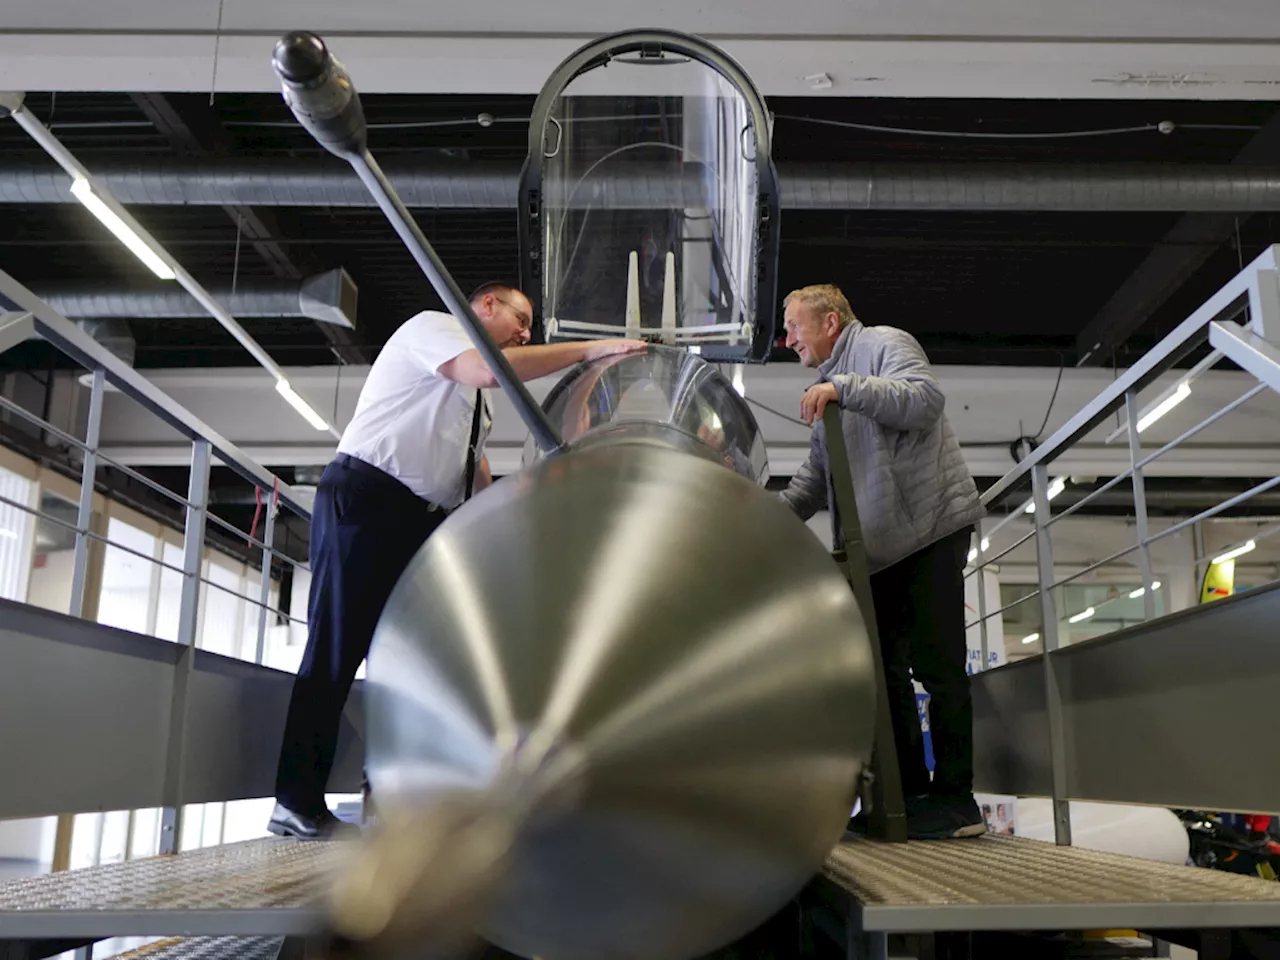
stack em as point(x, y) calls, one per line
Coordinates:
point(264, 596)
point(978, 574)
point(1049, 631)
point(88, 473)
point(1140, 505)
point(1264, 305)
point(188, 621)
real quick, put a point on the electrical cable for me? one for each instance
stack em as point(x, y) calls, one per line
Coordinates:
point(1062, 364)
point(776, 413)
point(1163, 128)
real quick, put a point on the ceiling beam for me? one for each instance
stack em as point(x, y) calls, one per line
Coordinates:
point(1180, 253)
point(194, 130)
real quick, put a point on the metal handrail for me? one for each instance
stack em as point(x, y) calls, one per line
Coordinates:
point(257, 603)
point(91, 355)
point(997, 557)
point(1228, 302)
point(254, 541)
point(84, 532)
point(9, 405)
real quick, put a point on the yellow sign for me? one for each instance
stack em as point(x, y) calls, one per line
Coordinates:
point(1219, 581)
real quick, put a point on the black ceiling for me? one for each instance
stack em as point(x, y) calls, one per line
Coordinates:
point(991, 287)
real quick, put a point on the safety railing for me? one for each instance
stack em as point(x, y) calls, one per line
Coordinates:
point(203, 533)
point(1253, 345)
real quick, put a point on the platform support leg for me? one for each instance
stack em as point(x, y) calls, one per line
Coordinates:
point(861, 945)
point(887, 818)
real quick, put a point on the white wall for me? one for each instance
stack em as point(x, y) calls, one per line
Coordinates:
point(28, 839)
point(16, 530)
point(50, 586)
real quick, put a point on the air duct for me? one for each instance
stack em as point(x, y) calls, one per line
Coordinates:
point(329, 297)
point(115, 336)
point(835, 186)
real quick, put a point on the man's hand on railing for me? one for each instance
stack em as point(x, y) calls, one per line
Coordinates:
point(815, 400)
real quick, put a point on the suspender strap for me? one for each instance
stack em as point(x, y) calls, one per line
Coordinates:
point(476, 416)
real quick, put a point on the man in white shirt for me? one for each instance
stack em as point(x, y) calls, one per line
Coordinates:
point(412, 453)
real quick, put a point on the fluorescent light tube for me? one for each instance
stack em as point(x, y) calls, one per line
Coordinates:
point(1237, 552)
point(304, 408)
point(1155, 585)
point(1164, 406)
point(1031, 638)
point(1055, 487)
point(81, 190)
point(1082, 615)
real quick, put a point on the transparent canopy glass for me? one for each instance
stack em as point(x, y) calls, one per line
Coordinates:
point(661, 388)
point(649, 200)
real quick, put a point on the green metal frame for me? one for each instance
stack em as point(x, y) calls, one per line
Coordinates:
point(887, 813)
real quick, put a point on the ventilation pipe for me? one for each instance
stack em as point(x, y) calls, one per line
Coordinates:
point(329, 297)
point(833, 186)
point(114, 335)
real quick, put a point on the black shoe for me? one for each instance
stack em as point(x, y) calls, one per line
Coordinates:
point(937, 818)
point(859, 824)
point(289, 823)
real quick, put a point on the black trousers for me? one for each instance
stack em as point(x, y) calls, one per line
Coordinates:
point(365, 528)
point(920, 614)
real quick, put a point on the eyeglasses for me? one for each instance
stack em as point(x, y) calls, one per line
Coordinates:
point(526, 321)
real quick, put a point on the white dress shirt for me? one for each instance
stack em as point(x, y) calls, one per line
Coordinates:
point(410, 421)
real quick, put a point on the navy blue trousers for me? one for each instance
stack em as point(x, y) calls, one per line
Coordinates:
point(365, 528)
point(920, 614)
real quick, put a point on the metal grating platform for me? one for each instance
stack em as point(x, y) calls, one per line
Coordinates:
point(258, 888)
point(266, 889)
point(1011, 883)
point(207, 948)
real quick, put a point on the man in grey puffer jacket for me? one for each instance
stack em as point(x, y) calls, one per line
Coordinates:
point(917, 505)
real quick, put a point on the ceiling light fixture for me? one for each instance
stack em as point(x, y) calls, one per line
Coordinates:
point(1082, 615)
point(308, 412)
point(1155, 585)
point(82, 190)
point(144, 246)
point(1239, 551)
point(1031, 638)
point(1056, 487)
point(1180, 393)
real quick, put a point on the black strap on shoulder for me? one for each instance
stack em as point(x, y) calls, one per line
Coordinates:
point(476, 416)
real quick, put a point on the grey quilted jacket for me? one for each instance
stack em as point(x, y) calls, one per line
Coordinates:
point(911, 483)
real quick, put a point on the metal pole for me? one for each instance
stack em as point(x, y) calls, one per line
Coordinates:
point(264, 595)
point(1049, 631)
point(544, 433)
point(1140, 506)
point(323, 98)
point(982, 600)
point(188, 620)
point(88, 473)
